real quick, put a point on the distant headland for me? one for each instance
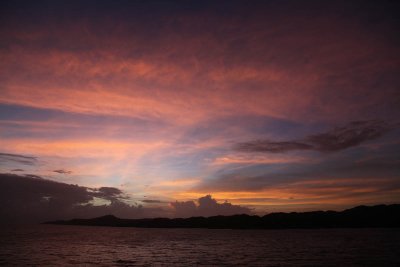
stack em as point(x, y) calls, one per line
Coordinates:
point(358, 217)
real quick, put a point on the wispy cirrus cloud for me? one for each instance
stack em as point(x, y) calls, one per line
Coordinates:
point(339, 138)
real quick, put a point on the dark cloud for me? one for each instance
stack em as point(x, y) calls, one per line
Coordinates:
point(17, 170)
point(17, 156)
point(339, 138)
point(109, 193)
point(27, 199)
point(271, 146)
point(61, 171)
point(207, 206)
point(27, 160)
point(184, 208)
point(33, 176)
point(350, 135)
point(152, 201)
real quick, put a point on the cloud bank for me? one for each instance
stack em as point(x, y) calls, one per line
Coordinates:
point(33, 199)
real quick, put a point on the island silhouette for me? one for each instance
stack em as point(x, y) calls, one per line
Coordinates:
point(357, 217)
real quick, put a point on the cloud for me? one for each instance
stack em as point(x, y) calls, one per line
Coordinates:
point(337, 139)
point(253, 159)
point(63, 171)
point(271, 146)
point(27, 199)
point(260, 177)
point(33, 176)
point(181, 72)
point(297, 59)
point(353, 134)
point(109, 193)
point(17, 158)
point(185, 208)
point(17, 170)
point(207, 206)
point(334, 180)
point(152, 201)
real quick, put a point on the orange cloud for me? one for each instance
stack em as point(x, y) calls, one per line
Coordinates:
point(79, 148)
point(331, 193)
point(258, 159)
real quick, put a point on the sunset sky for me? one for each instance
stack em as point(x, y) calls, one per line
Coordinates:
point(270, 105)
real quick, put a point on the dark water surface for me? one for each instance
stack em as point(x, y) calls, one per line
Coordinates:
point(55, 245)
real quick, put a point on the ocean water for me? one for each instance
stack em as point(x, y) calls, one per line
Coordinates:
point(56, 245)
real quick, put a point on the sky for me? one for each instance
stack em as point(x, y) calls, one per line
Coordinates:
point(184, 108)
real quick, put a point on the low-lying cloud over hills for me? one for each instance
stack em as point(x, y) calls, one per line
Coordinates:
point(29, 199)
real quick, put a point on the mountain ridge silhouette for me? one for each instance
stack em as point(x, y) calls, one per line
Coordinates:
point(357, 217)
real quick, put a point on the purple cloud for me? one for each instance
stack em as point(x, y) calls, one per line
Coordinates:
point(339, 138)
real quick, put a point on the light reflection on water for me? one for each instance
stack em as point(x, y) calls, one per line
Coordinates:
point(105, 246)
